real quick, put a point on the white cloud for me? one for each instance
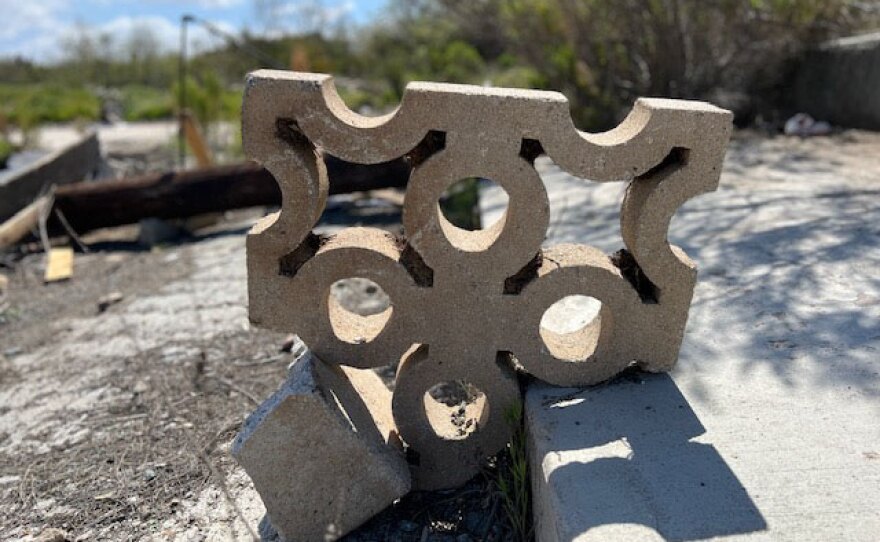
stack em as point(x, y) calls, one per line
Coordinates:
point(30, 27)
point(36, 29)
point(218, 4)
point(41, 26)
point(165, 32)
point(284, 16)
point(207, 4)
point(45, 42)
point(21, 18)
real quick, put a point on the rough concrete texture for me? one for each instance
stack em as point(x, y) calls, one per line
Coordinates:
point(767, 429)
point(667, 151)
point(317, 457)
point(444, 461)
point(117, 424)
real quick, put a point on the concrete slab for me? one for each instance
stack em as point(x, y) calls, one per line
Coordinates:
point(768, 427)
point(618, 462)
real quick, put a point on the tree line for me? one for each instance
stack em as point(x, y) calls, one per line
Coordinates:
point(601, 54)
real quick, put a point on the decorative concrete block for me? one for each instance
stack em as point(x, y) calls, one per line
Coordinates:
point(472, 301)
point(316, 456)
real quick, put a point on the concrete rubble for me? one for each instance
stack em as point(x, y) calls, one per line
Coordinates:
point(316, 455)
point(466, 306)
point(70, 163)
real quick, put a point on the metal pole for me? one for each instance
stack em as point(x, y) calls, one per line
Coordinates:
point(181, 138)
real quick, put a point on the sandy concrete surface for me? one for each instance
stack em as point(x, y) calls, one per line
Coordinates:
point(116, 425)
point(768, 427)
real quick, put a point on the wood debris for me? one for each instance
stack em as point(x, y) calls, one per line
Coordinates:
point(59, 264)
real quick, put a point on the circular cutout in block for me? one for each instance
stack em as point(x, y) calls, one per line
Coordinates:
point(337, 335)
point(441, 462)
point(358, 309)
point(570, 327)
point(494, 252)
point(459, 216)
point(456, 409)
point(460, 203)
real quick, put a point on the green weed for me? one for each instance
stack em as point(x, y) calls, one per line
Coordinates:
point(513, 479)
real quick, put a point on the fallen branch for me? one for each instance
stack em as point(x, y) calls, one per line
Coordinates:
point(92, 205)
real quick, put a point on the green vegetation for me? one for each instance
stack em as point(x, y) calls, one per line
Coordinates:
point(6, 150)
point(141, 102)
point(209, 100)
point(31, 104)
point(601, 54)
point(513, 478)
point(460, 204)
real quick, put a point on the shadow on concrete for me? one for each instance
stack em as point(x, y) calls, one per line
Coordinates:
point(635, 462)
point(787, 250)
point(796, 288)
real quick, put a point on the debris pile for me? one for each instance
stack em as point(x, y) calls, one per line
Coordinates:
point(306, 444)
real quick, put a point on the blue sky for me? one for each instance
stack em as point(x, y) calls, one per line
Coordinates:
point(35, 29)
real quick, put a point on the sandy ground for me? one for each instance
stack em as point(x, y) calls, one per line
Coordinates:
point(768, 427)
point(100, 409)
point(116, 425)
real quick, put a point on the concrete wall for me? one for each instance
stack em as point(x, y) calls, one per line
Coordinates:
point(68, 164)
point(840, 82)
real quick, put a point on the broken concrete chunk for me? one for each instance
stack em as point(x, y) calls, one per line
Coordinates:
point(622, 462)
point(68, 164)
point(316, 456)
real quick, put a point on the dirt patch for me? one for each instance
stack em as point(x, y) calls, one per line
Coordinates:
point(32, 305)
point(116, 423)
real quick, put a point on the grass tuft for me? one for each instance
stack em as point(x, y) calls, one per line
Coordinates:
point(513, 479)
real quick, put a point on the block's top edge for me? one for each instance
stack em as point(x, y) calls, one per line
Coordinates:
point(492, 92)
point(677, 104)
point(284, 75)
point(505, 115)
point(318, 80)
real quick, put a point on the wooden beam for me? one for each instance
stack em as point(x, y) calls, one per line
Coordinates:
point(196, 140)
point(22, 223)
point(92, 205)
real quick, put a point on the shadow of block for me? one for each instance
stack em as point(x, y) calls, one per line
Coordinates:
point(622, 454)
